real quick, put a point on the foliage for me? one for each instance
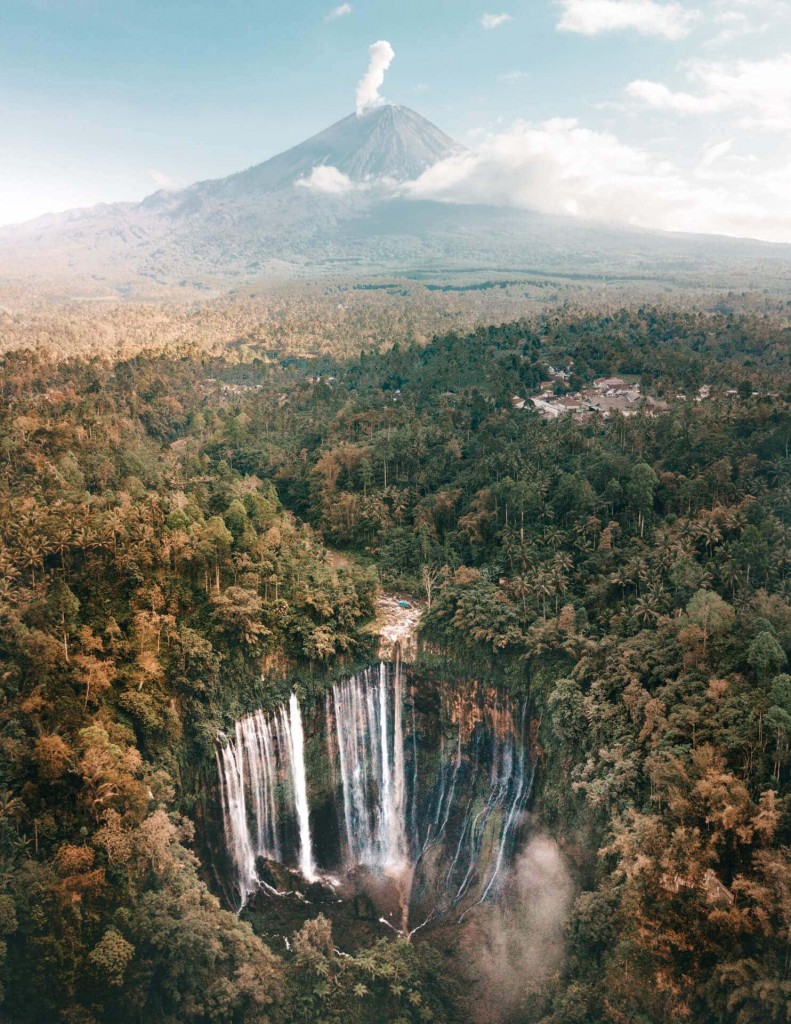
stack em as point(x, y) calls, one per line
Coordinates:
point(146, 590)
point(162, 566)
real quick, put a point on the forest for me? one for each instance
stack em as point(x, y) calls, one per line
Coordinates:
point(184, 535)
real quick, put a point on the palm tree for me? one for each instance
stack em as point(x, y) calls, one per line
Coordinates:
point(522, 587)
point(10, 806)
point(8, 574)
point(31, 553)
point(709, 533)
point(60, 534)
point(543, 587)
point(553, 537)
point(731, 574)
point(400, 503)
point(114, 523)
point(645, 608)
point(560, 582)
point(621, 578)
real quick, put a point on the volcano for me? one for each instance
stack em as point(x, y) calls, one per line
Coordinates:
point(334, 203)
point(389, 142)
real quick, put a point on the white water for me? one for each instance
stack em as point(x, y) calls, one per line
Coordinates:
point(262, 784)
point(370, 740)
point(237, 837)
point(516, 804)
point(296, 739)
point(472, 802)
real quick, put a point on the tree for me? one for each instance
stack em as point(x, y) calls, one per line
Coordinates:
point(236, 519)
point(111, 957)
point(640, 492)
point(430, 575)
point(52, 754)
point(214, 545)
point(239, 612)
point(710, 613)
point(765, 656)
point(778, 720)
point(95, 674)
point(64, 606)
point(566, 705)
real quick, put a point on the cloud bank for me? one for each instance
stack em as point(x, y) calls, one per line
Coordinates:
point(381, 56)
point(561, 167)
point(759, 92)
point(648, 17)
point(732, 181)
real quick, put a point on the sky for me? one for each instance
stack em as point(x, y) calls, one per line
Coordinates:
point(672, 114)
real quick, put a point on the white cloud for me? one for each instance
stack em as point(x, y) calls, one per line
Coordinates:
point(513, 76)
point(759, 92)
point(660, 97)
point(327, 179)
point(648, 17)
point(733, 24)
point(489, 21)
point(339, 12)
point(163, 180)
point(561, 167)
point(381, 56)
point(713, 154)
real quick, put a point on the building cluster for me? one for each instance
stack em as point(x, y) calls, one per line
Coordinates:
point(607, 396)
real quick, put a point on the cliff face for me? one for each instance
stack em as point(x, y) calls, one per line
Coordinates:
point(417, 794)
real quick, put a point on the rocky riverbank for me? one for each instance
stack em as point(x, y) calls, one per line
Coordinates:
point(396, 624)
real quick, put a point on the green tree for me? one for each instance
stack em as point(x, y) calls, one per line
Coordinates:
point(765, 656)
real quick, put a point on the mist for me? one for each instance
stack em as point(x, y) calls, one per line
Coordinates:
point(513, 948)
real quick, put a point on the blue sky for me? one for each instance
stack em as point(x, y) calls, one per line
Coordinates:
point(104, 100)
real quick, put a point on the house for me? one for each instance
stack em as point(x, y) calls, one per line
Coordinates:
point(605, 384)
point(548, 410)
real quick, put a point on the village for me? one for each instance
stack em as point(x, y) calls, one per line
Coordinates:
point(607, 396)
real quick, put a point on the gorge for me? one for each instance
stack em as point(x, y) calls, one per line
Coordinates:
point(396, 777)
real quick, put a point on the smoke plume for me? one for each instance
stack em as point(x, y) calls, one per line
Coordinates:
point(381, 57)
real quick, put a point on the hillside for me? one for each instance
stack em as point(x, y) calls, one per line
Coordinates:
point(618, 587)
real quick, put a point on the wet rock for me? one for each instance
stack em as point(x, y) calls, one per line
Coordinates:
point(316, 892)
point(396, 623)
point(275, 875)
point(364, 909)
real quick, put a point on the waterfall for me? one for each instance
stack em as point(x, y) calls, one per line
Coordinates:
point(370, 742)
point(507, 794)
point(521, 793)
point(263, 784)
point(296, 741)
point(256, 743)
point(439, 791)
point(237, 838)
